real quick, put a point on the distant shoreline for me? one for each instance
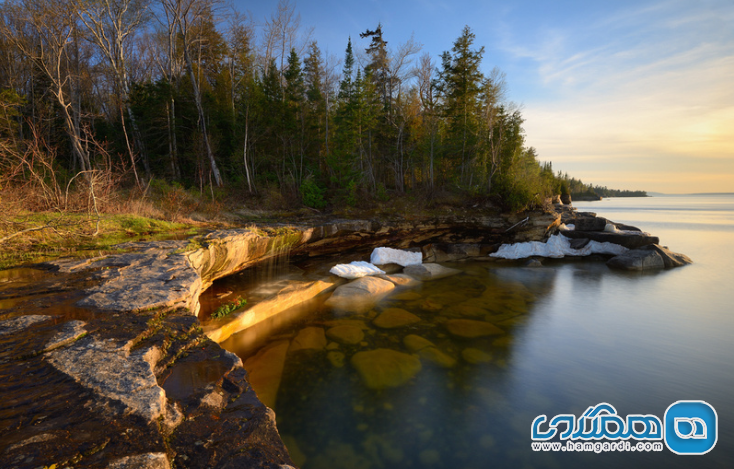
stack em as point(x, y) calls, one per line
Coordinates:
point(660, 194)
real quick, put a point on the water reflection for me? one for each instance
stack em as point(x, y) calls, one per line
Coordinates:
point(448, 414)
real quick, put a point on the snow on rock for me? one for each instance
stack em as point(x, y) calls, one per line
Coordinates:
point(557, 246)
point(356, 269)
point(382, 256)
point(564, 227)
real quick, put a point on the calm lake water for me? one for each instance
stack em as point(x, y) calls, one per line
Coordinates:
point(577, 334)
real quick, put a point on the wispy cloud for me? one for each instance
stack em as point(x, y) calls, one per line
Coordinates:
point(657, 87)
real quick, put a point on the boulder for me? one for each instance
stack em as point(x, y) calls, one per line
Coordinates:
point(346, 334)
point(395, 317)
point(652, 257)
point(670, 258)
point(429, 271)
point(468, 328)
point(385, 368)
point(637, 259)
point(360, 295)
point(310, 338)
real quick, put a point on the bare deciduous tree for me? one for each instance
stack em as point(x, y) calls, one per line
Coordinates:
point(186, 14)
point(45, 31)
point(111, 25)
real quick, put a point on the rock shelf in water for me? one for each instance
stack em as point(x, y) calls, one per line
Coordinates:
point(114, 370)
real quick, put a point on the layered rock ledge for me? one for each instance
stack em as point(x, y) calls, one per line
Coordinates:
point(96, 358)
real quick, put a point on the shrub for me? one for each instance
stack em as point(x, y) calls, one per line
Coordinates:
point(228, 308)
point(312, 195)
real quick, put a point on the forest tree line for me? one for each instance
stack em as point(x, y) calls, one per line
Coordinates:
point(578, 190)
point(193, 94)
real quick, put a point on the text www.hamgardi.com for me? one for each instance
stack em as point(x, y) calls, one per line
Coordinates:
point(597, 447)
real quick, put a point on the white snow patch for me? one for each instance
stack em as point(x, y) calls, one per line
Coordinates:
point(382, 256)
point(557, 246)
point(564, 227)
point(356, 269)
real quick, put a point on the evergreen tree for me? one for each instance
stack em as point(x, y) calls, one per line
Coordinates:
point(460, 83)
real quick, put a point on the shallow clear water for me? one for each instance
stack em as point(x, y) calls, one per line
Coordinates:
point(577, 334)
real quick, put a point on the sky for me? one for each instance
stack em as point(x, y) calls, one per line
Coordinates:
point(632, 95)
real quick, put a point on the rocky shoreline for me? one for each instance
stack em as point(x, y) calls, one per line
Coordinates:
point(94, 350)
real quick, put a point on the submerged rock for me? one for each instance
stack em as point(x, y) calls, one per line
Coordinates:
point(336, 358)
point(265, 371)
point(437, 357)
point(401, 280)
point(384, 368)
point(406, 296)
point(467, 309)
point(469, 329)
point(429, 271)
point(475, 356)
point(395, 317)
point(415, 343)
point(346, 334)
point(360, 295)
point(310, 338)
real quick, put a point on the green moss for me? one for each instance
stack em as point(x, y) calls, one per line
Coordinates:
point(79, 235)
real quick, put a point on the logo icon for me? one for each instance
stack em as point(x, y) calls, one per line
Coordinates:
point(691, 427)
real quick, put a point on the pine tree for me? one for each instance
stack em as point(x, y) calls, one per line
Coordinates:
point(460, 83)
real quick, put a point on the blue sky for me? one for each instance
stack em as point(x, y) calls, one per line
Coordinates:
point(627, 94)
